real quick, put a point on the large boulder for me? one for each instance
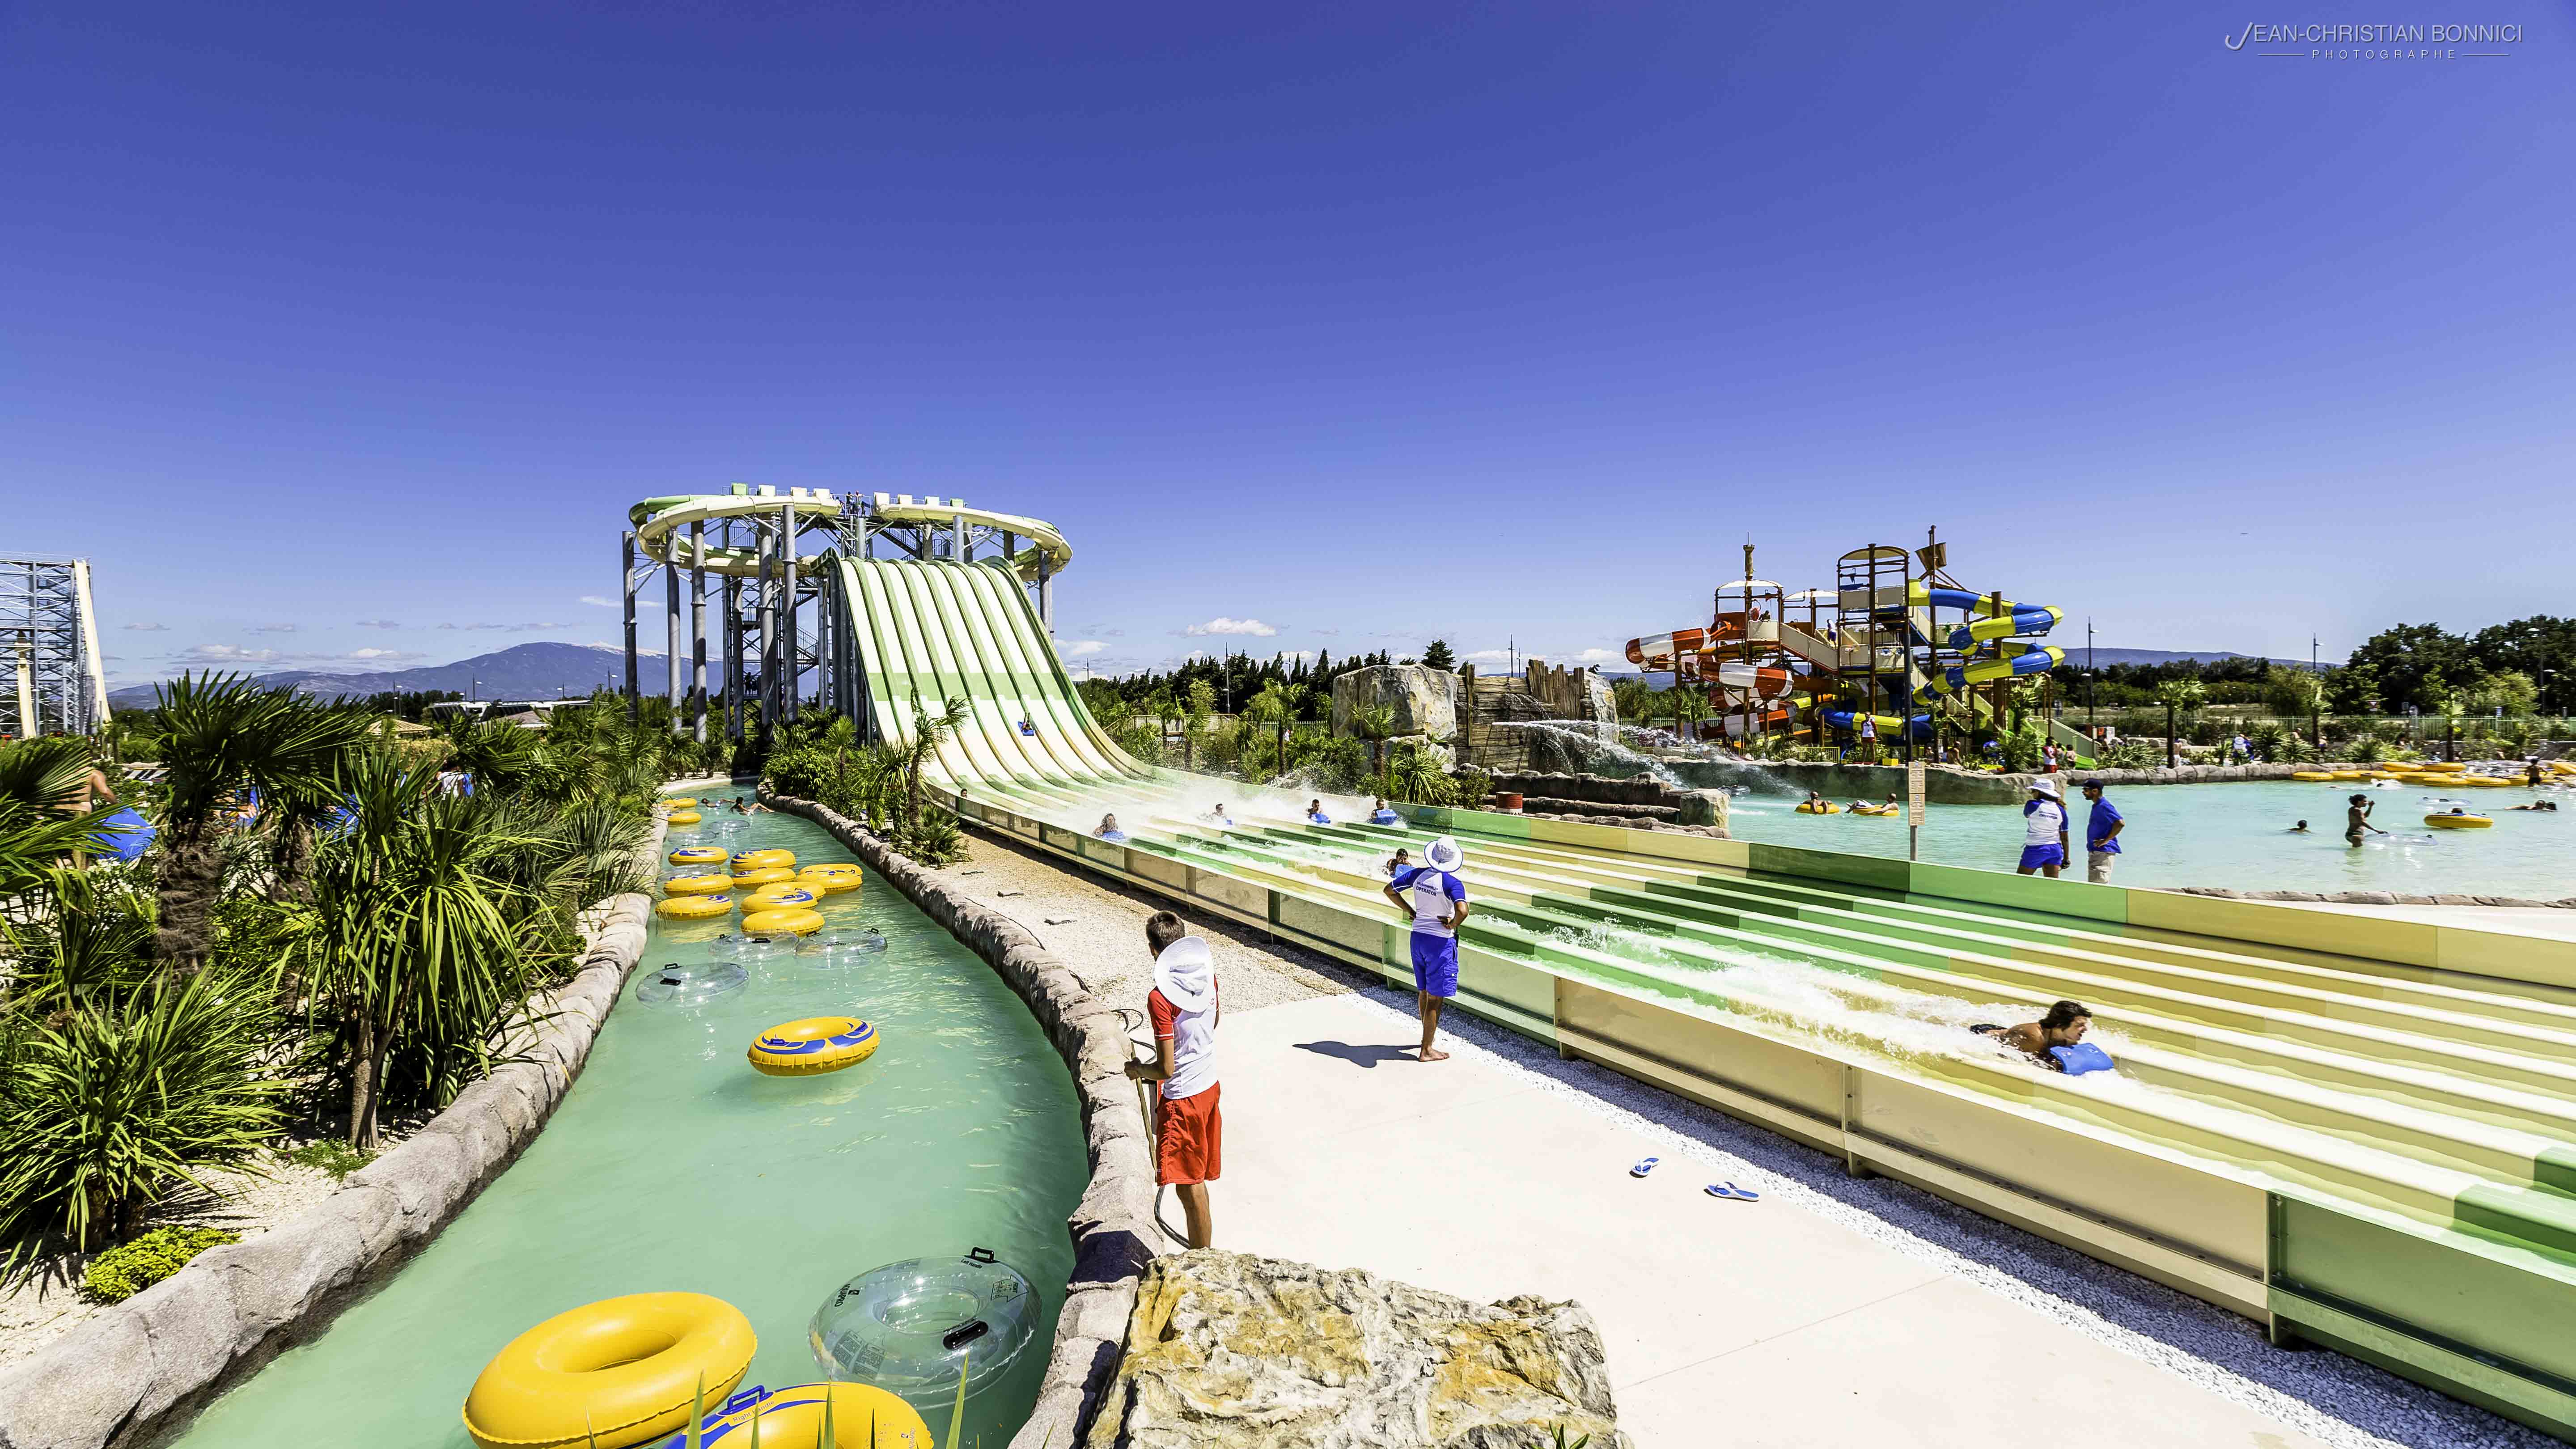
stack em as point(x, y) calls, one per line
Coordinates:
point(1425, 699)
point(1704, 807)
point(1230, 1351)
point(1599, 705)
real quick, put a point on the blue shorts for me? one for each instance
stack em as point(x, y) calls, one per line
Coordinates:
point(2035, 856)
point(1435, 964)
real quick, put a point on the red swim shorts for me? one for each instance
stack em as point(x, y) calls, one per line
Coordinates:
point(1189, 1141)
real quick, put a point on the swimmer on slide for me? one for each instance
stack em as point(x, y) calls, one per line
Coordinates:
point(2063, 1026)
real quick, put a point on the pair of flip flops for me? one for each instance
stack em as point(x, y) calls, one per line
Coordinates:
point(1727, 1190)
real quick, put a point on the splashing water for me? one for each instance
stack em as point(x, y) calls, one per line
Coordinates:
point(1587, 743)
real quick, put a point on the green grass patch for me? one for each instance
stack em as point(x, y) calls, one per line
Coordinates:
point(336, 1158)
point(120, 1273)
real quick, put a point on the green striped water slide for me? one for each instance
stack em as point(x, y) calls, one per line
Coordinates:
point(2359, 1132)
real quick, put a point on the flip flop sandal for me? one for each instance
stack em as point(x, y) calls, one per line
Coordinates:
point(1732, 1193)
point(1644, 1165)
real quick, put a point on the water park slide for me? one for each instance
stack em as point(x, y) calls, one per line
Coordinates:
point(2358, 1132)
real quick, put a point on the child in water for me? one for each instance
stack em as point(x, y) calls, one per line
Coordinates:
point(2299, 829)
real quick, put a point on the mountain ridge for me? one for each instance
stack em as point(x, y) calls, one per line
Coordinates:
point(539, 670)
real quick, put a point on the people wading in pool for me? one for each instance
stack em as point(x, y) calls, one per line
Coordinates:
point(2101, 834)
point(1189, 1132)
point(1436, 899)
point(2063, 1026)
point(2043, 840)
point(2356, 819)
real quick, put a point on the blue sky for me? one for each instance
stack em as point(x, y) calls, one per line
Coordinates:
point(330, 327)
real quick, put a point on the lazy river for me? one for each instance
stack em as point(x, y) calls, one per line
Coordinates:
point(673, 1166)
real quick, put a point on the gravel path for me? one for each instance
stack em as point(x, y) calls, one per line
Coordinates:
point(44, 1305)
point(2339, 1400)
point(1097, 928)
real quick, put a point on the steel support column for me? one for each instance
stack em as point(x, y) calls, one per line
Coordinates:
point(698, 632)
point(732, 599)
point(671, 631)
point(789, 678)
point(626, 588)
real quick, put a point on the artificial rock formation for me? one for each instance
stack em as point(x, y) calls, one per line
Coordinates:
point(1425, 700)
point(1230, 1351)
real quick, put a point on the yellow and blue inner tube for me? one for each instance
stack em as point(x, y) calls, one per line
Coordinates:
point(778, 897)
point(784, 921)
point(698, 855)
point(762, 875)
point(829, 880)
point(705, 883)
point(763, 858)
point(1811, 808)
point(863, 1417)
point(620, 1372)
point(812, 1045)
point(695, 908)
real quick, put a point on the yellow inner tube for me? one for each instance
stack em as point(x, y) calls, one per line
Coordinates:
point(834, 867)
point(712, 883)
point(698, 855)
point(829, 885)
point(681, 802)
point(795, 1417)
point(2458, 822)
point(761, 859)
point(682, 817)
point(1805, 808)
point(619, 1372)
point(765, 875)
point(812, 1046)
point(787, 921)
point(778, 897)
point(2314, 775)
point(695, 908)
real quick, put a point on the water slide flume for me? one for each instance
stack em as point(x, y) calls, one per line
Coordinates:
point(2358, 1132)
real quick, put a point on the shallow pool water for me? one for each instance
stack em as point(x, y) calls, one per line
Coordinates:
point(2237, 834)
point(672, 1165)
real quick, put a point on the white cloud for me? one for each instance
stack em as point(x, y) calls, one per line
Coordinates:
point(1223, 625)
point(148, 628)
point(224, 654)
point(1080, 648)
point(474, 626)
point(272, 628)
point(523, 628)
point(387, 656)
point(1327, 633)
point(378, 624)
point(1488, 656)
point(598, 602)
point(1598, 656)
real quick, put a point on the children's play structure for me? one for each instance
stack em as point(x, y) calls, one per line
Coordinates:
point(1897, 652)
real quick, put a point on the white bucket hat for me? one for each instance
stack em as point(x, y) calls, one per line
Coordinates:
point(1443, 855)
point(1186, 974)
point(2044, 787)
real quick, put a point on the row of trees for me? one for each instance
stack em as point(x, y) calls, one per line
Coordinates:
point(319, 937)
point(2520, 667)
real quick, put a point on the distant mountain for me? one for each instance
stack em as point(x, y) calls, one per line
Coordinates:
point(522, 671)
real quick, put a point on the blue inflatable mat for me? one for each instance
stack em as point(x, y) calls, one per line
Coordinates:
point(2082, 1057)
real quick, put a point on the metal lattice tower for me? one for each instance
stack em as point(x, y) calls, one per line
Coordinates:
point(50, 678)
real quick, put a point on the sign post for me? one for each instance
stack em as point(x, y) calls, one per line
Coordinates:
point(1914, 810)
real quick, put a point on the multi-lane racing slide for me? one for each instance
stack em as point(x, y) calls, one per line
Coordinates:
point(2357, 1132)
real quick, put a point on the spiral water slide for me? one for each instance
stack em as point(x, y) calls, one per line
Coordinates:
point(2357, 1132)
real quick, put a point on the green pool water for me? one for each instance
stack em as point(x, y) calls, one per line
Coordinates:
point(672, 1165)
point(2237, 834)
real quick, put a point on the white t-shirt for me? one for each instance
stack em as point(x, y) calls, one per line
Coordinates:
point(1193, 1035)
point(2045, 820)
point(1432, 892)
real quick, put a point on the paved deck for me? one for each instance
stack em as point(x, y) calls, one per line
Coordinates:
point(1727, 1323)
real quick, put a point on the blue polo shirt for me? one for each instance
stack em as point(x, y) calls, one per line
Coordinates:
point(2105, 815)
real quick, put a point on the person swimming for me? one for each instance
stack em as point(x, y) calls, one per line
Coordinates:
point(2535, 805)
point(2063, 1026)
point(2299, 829)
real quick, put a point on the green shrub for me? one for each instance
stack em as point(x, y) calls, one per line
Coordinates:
point(120, 1273)
point(332, 1156)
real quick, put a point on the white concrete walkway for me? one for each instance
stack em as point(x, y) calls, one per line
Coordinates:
point(1727, 1323)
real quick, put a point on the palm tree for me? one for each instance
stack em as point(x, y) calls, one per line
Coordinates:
point(41, 821)
point(928, 734)
point(2178, 695)
point(225, 735)
point(1375, 723)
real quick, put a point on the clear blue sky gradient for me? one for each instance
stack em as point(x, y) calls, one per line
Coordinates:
point(1367, 322)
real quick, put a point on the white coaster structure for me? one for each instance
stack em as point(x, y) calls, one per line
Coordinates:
point(49, 639)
